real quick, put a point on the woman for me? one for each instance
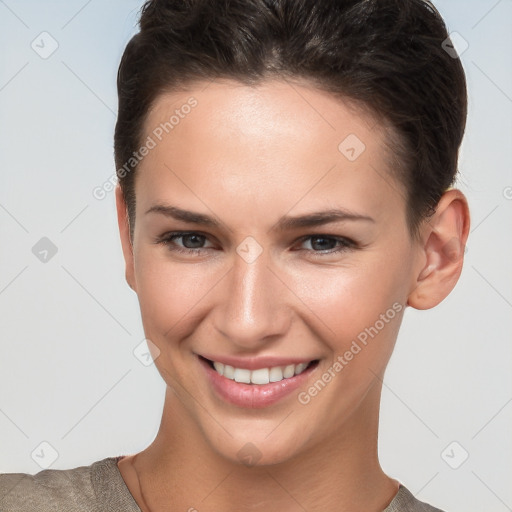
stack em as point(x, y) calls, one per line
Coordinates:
point(284, 194)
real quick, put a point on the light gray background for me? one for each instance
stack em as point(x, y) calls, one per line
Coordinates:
point(68, 374)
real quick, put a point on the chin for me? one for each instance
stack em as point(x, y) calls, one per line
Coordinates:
point(258, 450)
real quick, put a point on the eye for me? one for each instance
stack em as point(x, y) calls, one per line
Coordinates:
point(325, 244)
point(192, 242)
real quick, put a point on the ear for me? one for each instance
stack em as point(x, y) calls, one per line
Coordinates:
point(126, 242)
point(444, 237)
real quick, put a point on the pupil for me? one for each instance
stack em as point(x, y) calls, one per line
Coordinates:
point(325, 240)
point(188, 237)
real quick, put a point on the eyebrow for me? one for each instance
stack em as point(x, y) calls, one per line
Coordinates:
point(283, 224)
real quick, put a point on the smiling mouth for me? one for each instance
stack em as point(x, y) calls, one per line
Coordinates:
point(260, 376)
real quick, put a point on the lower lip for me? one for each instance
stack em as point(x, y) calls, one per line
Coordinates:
point(254, 396)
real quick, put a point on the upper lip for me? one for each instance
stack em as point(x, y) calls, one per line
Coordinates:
point(255, 363)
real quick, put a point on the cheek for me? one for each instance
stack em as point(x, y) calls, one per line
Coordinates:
point(340, 302)
point(360, 309)
point(349, 299)
point(169, 294)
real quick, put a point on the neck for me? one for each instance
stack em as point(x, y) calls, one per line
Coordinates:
point(342, 474)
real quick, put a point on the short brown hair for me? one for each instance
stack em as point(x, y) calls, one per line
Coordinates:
point(387, 55)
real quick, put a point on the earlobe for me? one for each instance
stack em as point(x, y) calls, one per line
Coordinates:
point(445, 235)
point(126, 242)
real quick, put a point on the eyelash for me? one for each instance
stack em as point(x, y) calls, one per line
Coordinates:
point(167, 239)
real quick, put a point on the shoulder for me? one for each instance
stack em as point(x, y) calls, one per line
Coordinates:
point(404, 501)
point(80, 489)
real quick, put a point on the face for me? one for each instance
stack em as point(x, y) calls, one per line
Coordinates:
point(270, 240)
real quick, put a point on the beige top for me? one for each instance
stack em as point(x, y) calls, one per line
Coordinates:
point(100, 487)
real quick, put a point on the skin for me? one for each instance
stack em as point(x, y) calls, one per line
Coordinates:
point(248, 156)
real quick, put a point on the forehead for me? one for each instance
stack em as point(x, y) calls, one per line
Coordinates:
point(277, 141)
point(293, 107)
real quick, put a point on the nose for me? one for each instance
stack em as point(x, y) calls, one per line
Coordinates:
point(254, 309)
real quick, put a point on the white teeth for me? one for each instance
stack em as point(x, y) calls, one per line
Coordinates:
point(289, 371)
point(275, 374)
point(300, 368)
point(261, 375)
point(229, 372)
point(219, 367)
point(242, 375)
